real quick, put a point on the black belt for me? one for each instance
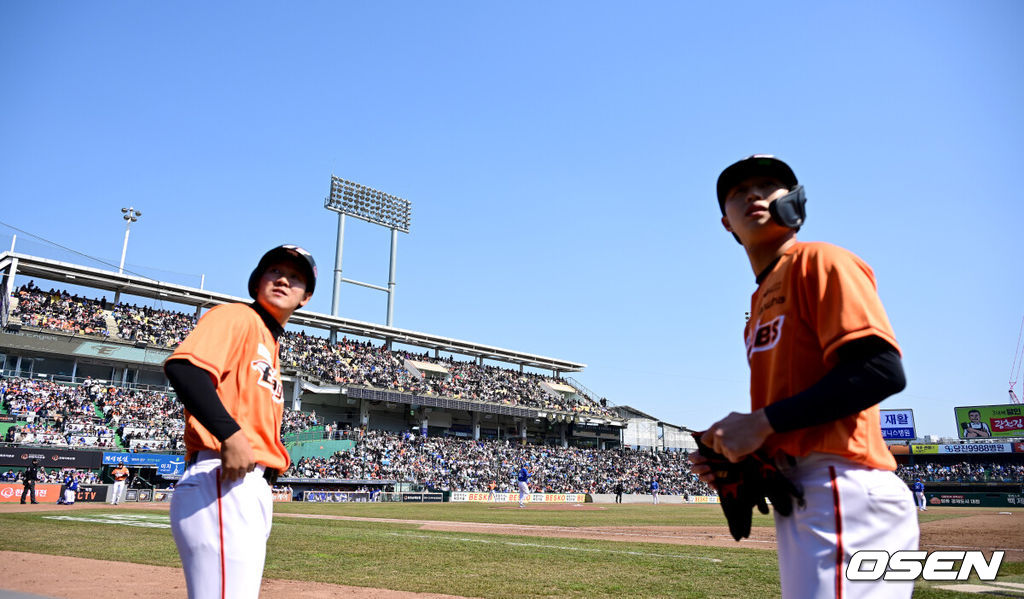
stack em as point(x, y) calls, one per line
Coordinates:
point(269, 474)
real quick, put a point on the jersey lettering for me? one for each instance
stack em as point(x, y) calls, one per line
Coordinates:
point(765, 336)
point(269, 379)
point(777, 300)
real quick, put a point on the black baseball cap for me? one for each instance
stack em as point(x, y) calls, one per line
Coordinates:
point(758, 165)
point(285, 252)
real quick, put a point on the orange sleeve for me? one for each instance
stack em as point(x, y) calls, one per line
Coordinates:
point(212, 343)
point(842, 301)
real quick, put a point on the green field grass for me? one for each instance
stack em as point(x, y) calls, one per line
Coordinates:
point(400, 556)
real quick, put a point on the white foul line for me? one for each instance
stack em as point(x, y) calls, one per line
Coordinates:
point(538, 545)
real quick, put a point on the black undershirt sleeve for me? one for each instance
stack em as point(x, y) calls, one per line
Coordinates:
point(196, 392)
point(868, 371)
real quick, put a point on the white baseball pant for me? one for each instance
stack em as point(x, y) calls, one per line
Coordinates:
point(524, 492)
point(118, 493)
point(848, 508)
point(221, 529)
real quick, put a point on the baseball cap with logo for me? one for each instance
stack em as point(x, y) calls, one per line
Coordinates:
point(758, 165)
point(285, 252)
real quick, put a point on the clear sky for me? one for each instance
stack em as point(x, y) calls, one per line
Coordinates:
point(560, 158)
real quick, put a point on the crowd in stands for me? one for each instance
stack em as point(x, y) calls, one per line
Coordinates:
point(54, 475)
point(347, 362)
point(146, 420)
point(59, 310)
point(963, 472)
point(451, 464)
point(157, 327)
point(296, 421)
point(95, 414)
point(53, 414)
point(351, 362)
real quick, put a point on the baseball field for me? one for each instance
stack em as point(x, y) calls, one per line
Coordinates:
point(465, 550)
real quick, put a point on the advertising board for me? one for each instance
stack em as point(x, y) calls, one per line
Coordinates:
point(985, 422)
point(11, 493)
point(897, 424)
point(49, 458)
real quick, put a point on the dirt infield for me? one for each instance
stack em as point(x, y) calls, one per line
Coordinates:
point(82, 578)
point(89, 578)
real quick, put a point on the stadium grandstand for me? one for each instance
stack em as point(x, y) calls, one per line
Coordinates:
point(367, 406)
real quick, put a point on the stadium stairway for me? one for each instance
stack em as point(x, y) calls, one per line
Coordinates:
point(108, 317)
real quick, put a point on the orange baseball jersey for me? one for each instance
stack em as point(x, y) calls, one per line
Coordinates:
point(120, 473)
point(817, 298)
point(232, 343)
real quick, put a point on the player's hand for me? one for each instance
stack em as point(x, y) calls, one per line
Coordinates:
point(699, 466)
point(738, 435)
point(236, 457)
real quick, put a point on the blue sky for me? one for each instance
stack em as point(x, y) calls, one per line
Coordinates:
point(560, 159)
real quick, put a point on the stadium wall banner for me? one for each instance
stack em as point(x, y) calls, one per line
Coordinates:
point(7, 418)
point(165, 464)
point(335, 496)
point(510, 497)
point(92, 493)
point(138, 495)
point(963, 448)
point(50, 458)
point(897, 424)
point(11, 492)
point(704, 499)
point(975, 499)
point(423, 497)
point(162, 495)
point(982, 422)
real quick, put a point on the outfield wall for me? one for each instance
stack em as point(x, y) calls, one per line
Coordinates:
point(463, 496)
point(662, 499)
point(972, 499)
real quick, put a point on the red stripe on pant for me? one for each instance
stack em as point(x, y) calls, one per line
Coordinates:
point(220, 525)
point(839, 532)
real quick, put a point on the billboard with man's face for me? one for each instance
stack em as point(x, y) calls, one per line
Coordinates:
point(985, 422)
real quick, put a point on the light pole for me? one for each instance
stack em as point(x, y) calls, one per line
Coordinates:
point(130, 215)
point(372, 206)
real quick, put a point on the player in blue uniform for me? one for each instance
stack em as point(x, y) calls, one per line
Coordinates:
point(524, 489)
point(71, 490)
point(655, 487)
point(63, 488)
point(919, 496)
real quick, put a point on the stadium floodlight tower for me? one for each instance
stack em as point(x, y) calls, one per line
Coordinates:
point(376, 207)
point(130, 216)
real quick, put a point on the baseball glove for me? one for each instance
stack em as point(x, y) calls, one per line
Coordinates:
point(745, 484)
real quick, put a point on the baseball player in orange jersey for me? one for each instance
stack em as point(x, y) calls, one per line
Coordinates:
point(822, 355)
point(227, 376)
point(120, 475)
